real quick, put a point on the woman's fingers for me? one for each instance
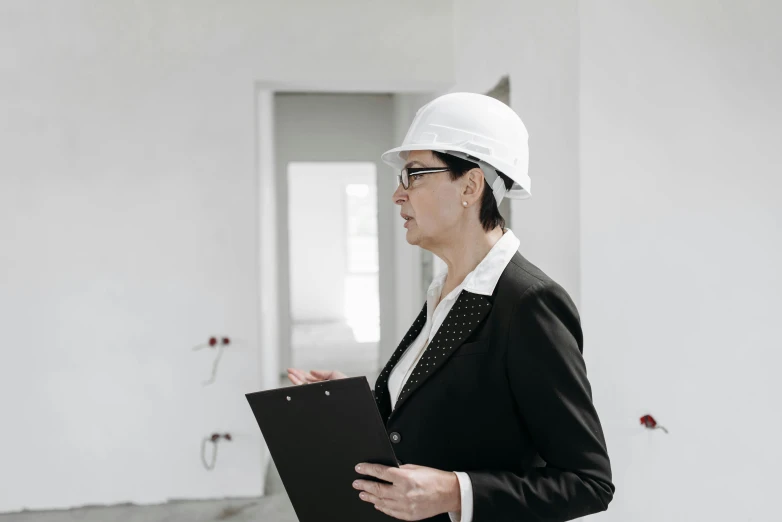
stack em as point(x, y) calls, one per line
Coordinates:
point(328, 375)
point(325, 375)
point(306, 377)
point(297, 376)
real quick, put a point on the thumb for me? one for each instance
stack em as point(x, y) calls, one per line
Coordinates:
point(323, 374)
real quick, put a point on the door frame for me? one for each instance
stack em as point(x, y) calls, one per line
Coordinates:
point(273, 281)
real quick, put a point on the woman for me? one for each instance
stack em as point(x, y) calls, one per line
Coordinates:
point(487, 395)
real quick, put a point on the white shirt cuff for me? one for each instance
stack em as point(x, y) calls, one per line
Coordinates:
point(465, 487)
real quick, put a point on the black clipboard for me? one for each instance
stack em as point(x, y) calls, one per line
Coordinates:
point(316, 434)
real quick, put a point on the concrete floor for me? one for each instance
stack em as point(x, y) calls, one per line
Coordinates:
point(274, 508)
point(331, 346)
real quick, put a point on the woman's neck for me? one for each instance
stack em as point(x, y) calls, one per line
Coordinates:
point(466, 252)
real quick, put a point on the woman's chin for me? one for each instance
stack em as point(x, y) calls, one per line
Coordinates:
point(414, 238)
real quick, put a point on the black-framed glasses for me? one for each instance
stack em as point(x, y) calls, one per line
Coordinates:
point(409, 173)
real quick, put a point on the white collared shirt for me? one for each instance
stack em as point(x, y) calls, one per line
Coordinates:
point(482, 280)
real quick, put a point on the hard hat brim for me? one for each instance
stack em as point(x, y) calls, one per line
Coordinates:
point(397, 158)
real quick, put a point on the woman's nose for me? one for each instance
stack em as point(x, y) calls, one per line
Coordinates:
point(399, 195)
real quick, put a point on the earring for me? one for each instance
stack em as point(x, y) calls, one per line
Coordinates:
point(464, 203)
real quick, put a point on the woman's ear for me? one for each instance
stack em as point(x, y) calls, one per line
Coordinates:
point(473, 187)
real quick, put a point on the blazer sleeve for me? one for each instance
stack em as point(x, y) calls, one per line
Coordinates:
point(548, 379)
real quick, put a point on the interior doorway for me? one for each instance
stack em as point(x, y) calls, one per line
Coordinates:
point(335, 241)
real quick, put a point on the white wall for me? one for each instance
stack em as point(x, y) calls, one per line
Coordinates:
point(681, 123)
point(671, 112)
point(128, 195)
point(535, 43)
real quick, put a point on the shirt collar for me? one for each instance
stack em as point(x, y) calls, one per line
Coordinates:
point(483, 279)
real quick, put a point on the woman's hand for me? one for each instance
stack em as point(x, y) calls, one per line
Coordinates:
point(415, 492)
point(297, 376)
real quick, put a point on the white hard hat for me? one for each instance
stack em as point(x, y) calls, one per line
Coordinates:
point(474, 127)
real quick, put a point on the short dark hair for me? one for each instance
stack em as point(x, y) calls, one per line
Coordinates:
point(489, 214)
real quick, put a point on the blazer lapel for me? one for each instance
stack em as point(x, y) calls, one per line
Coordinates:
point(467, 313)
point(382, 396)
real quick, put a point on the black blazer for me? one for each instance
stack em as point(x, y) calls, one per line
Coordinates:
point(502, 394)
